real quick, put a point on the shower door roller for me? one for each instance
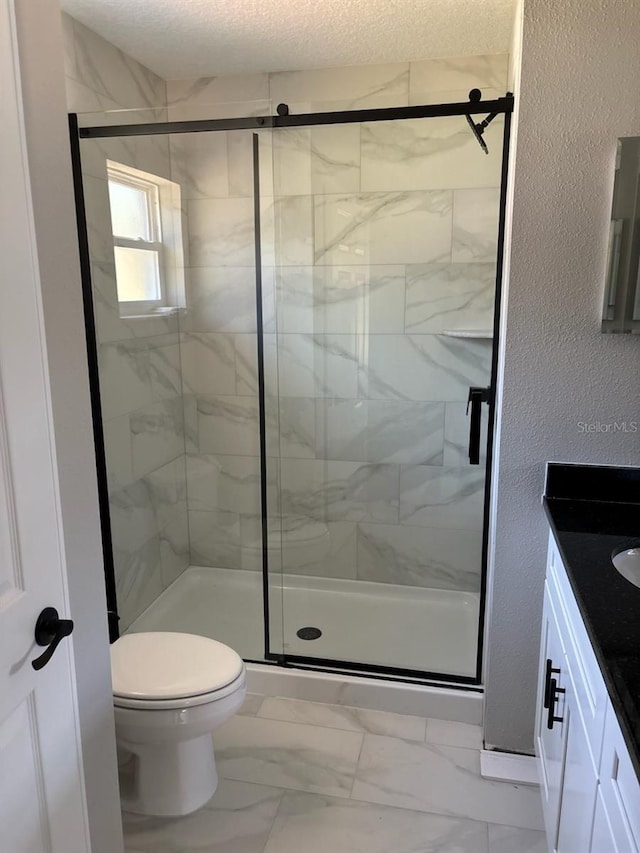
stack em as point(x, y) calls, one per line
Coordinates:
point(50, 631)
point(477, 396)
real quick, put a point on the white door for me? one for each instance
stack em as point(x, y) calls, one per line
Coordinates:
point(42, 801)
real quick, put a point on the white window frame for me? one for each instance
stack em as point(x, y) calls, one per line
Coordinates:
point(140, 181)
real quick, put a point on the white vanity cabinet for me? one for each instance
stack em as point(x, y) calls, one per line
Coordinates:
point(590, 790)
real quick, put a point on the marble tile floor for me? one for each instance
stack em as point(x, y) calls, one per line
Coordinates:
point(304, 777)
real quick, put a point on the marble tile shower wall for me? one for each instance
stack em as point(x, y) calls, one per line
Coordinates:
point(139, 357)
point(378, 238)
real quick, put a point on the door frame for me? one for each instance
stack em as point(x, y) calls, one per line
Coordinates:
point(41, 61)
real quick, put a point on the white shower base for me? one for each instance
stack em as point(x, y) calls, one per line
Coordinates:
point(369, 623)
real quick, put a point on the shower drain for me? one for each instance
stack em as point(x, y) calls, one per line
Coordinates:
point(309, 633)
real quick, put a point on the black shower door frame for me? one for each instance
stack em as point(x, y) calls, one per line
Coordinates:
point(499, 106)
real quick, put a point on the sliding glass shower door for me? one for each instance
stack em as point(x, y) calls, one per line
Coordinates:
point(287, 317)
point(384, 240)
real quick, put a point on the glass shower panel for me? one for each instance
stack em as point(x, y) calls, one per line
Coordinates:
point(385, 259)
point(179, 387)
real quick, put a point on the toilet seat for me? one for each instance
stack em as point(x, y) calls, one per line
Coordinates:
point(164, 670)
point(184, 702)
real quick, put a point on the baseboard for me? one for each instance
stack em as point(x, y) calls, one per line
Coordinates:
point(508, 767)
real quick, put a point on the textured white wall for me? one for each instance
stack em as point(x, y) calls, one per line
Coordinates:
point(578, 92)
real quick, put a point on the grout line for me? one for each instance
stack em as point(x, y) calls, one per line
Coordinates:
point(355, 769)
point(276, 815)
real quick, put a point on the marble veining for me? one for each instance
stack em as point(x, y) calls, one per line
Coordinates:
point(117, 444)
point(319, 549)
point(295, 428)
point(229, 483)
point(221, 232)
point(458, 73)
point(346, 88)
point(405, 432)
point(109, 71)
point(208, 363)
point(507, 839)
point(237, 820)
point(215, 538)
point(340, 491)
point(165, 370)
point(220, 299)
point(341, 299)
point(157, 435)
point(335, 159)
point(315, 824)
point(449, 296)
point(424, 557)
point(199, 164)
point(383, 228)
point(228, 424)
point(174, 548)
point(475, 225)
point(422, 367)
point(428, 154)
point(225, 90)
point(442, 496)
point(440, 779)
point(138, 578)
point(317, 365)
point(148, 504)
point(288, 755)
point(292, 218)
point(379, 431)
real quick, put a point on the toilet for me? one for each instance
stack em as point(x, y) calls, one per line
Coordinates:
point(170, 692)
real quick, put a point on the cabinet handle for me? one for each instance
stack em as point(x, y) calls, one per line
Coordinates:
point(547, 682)
point(554, 691)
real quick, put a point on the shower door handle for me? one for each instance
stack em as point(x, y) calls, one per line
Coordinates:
point(477, 396)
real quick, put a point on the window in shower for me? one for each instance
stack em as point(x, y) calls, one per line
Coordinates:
point(143, 221)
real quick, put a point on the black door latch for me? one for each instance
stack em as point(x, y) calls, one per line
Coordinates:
point(50, 631)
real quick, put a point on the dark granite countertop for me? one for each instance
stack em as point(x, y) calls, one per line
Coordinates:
point(593, 510)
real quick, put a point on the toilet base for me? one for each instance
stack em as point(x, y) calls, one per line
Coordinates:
point(167, 780)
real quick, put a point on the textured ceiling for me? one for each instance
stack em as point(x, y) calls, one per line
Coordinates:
point(202, 38)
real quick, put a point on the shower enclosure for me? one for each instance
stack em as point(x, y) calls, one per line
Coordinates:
point(287, 319)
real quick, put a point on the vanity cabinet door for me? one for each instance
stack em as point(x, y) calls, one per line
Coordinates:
point(551, 742)
point(603, 839)
point(580, 782)
point(620, 789)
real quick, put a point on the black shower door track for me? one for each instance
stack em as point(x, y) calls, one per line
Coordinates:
point(500, 106)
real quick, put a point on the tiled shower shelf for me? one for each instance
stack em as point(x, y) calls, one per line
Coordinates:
point(479, 334)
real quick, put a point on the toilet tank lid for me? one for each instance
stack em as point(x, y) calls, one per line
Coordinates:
point(169, 665)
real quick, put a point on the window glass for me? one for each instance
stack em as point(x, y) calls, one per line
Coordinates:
point(137, 274)
point(130, 215)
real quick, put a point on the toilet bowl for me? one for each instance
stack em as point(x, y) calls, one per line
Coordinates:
point(170, 692)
